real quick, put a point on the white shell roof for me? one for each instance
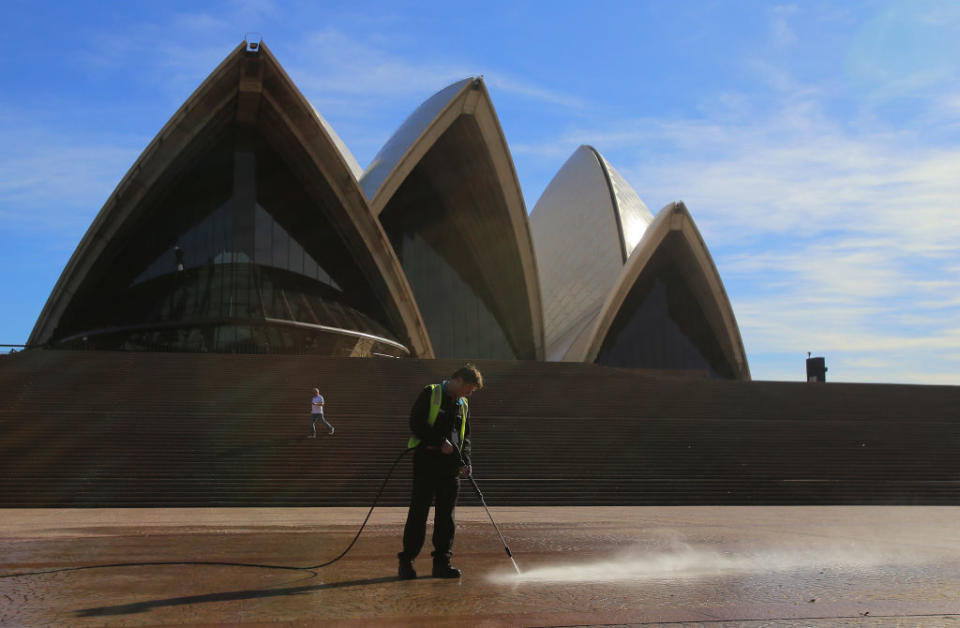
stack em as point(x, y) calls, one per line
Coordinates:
point(635, 217)
point(673, 218)
point(584, 227)
point(480, 142)
point(405, 136)
point(348, 157)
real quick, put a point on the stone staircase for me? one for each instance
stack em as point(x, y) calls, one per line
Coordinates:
point(95, 429)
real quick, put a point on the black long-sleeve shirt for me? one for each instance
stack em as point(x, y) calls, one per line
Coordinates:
point(447, 425)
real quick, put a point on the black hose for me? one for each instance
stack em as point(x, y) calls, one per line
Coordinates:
point(227, 564)
point(369, 512)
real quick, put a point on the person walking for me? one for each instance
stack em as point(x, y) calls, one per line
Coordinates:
point(440, 422)
point(316, 414)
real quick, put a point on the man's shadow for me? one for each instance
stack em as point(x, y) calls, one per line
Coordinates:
point(226, 596)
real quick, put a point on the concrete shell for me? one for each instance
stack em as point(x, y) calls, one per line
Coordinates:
point(585, 225)
point(452, 149)
point(673, 220)
point(250, 87)
point(355, 168)
point(393, 155)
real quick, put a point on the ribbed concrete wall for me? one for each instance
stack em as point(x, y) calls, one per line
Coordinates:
point(108, 429)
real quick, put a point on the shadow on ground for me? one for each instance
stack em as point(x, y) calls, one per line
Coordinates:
point(225, 596)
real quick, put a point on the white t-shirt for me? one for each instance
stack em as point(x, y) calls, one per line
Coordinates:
point(316, 405)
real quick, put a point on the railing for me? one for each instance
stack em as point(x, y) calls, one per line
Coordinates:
point(251, 348)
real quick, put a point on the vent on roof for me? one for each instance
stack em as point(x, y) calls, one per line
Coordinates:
point(253, 41)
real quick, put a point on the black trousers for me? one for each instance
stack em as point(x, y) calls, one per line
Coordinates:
point(434, 476)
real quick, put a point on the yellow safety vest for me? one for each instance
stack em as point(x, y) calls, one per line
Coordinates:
point(436, 391)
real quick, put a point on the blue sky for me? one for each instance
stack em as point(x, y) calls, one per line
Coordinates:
point(817, 144)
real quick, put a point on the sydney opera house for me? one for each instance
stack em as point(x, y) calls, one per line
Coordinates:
point(246, 257)
point(247, 226)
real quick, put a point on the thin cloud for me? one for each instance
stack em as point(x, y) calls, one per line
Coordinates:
point(56, 182)
point(254, 10)
point(907, 50)
point(331, 62)
point(534, 92)
point(176, 56)
point(781, 32)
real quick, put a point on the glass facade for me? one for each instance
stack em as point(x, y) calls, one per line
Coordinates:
point(661, 324)
point(457, 319)
point(235, 258)
point(448, 224)
point(273, 247)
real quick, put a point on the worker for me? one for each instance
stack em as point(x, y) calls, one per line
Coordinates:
point(440, 422)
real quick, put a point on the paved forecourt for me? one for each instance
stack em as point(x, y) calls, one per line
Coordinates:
point(830, 566)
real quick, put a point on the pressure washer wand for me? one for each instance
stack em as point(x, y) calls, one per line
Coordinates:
point(484, 503)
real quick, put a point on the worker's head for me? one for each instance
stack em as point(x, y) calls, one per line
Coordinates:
point(316, 391)
point(465, 380)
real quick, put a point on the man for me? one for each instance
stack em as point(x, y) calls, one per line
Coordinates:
point(316, 414)
point(440, 424)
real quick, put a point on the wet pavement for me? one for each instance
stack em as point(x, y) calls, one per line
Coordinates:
point(713, 566)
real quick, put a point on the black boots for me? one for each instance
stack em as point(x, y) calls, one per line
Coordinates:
point(442, 568)
point(405, 570)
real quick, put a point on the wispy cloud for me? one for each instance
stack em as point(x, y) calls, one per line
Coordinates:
point(331, 63)
point(907, 50)
point(532, 91)
point(781, 33)
point(254, 10)
point(57, 183)
point(175, 55)
point(360, 82)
